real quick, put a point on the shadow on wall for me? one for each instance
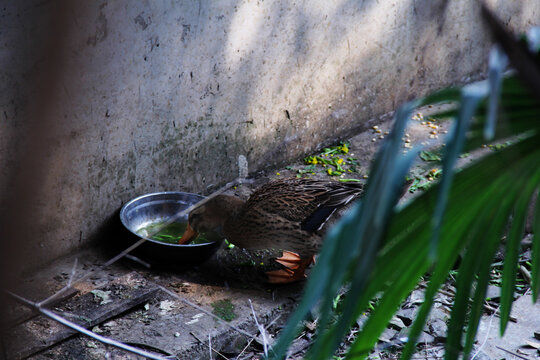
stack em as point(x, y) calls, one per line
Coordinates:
point(164, 96)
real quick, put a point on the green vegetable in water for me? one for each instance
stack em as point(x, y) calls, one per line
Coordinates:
point(169, 234)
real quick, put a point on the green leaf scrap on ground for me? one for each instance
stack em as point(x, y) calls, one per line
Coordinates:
point(424, 182)
point(224, 309)
point(429, 156)
point(102, 295)
point(499, 146)
point(332, 158)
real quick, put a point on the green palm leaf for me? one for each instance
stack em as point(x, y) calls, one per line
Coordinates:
point(536, 253)
point(381, 250)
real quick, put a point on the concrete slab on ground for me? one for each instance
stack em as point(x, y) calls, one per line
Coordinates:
point(513, 344)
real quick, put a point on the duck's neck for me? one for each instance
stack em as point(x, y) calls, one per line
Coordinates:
point(230, 206)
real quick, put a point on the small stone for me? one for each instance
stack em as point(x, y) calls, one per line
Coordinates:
point(493, 292)
point(310, 325)
point(110, 324)
point(242, 167)
point(407, 315)
point(416, 297)
point(397, 323)
point(388, 335)
point(361, 320)
point(176, 334)
point(440, 312)
point(425, 338)
point(437, 328)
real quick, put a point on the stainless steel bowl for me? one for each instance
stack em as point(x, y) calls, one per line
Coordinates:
point(159, 207)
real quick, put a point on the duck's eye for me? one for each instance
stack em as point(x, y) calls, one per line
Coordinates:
point(193, 217)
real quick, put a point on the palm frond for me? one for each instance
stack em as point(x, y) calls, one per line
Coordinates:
point(382, 250)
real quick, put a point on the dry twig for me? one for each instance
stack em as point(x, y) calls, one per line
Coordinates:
point(512, 353)
point(495, 311)
point(262, 330)
point(526, 274)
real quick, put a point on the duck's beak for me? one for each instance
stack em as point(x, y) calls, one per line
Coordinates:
point(189, 235)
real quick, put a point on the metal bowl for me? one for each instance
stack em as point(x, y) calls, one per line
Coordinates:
point(159, 207)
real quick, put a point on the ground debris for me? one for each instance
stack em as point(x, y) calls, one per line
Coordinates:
point(40, 333)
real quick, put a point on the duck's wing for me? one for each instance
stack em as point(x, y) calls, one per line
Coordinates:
point(338, 195)
point(305, 201)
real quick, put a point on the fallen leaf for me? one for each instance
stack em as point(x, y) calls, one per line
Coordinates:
point(166, 305)
point(103, 295)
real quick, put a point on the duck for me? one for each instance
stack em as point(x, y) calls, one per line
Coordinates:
point(287, 214)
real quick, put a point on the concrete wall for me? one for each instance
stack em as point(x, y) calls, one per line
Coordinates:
point(164, 95)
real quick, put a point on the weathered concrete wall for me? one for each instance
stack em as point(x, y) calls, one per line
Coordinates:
point(164, 95)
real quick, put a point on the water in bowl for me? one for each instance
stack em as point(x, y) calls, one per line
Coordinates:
point(168, 233)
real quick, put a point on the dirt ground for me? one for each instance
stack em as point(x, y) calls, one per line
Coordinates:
point(217, 309)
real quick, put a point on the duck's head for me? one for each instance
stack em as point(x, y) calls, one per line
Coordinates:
point(210, 217)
